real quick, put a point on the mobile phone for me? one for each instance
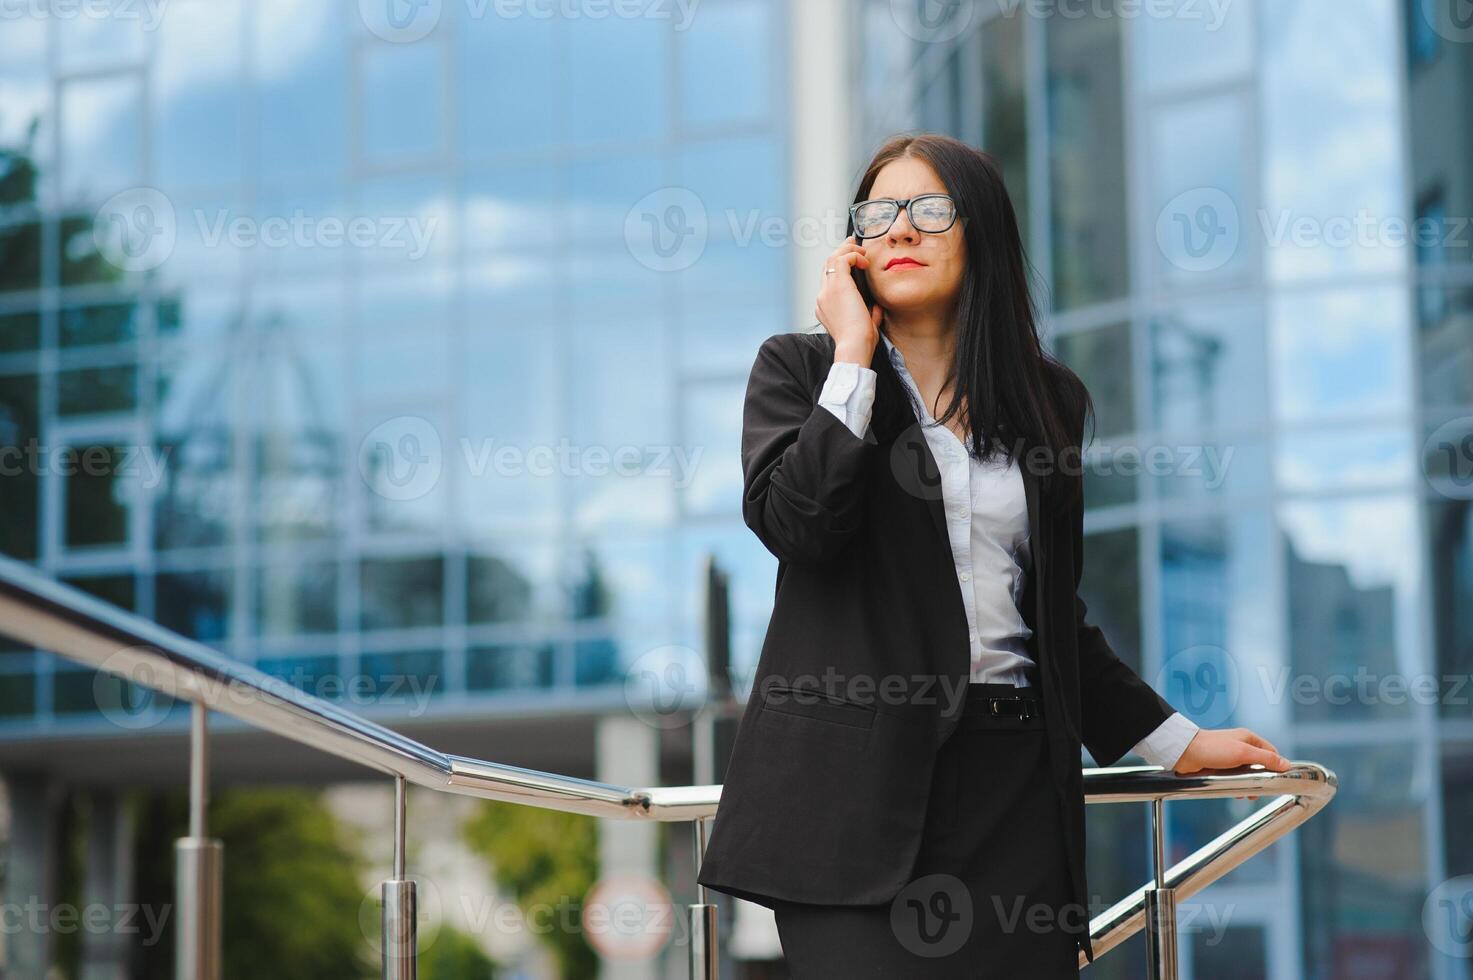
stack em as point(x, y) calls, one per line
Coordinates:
point(859, 277)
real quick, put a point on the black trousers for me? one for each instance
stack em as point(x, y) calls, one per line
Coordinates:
point(989, 895)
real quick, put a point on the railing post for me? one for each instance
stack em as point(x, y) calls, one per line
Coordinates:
point(1160, 904)
point(703, 927)
point(199, 864)
point(400, 916)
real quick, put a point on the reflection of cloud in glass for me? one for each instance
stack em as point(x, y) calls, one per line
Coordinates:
point(289, 33)
point(23, 92)
point(1330, 461)
point(1340, 353)
point(1374, 540)
point(1331, 127)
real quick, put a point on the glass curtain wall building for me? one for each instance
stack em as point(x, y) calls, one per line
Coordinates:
point(1253, 223)
point(376, 341)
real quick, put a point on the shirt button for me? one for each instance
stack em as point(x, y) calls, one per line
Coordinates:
point(966, 576)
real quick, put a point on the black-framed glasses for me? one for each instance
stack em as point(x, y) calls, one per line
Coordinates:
point(930, 213)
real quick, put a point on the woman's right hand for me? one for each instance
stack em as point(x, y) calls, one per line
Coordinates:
point(841, 309)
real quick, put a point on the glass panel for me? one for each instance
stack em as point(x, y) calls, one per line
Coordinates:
point(112, 323)
point(1102, 359)
point(411, 221)
point(195, 440)
point(1446, 348)
point(1005, 109)
point(726, 64)
point(511, 420)
point(1111, 590)
point(101, 136)
point(512, 84)
point(1219, 622)
point(708, 471)
point(194, 602)
point(1363, 871)
point(402, 592)
point(97, 489)
point(1351, 567)
point(119, 590)
point(1184, 43)
point(1199, 189)
point(405, 463)
point(741, 184)
point(1341, 353)
point(1450, 540)
point(402, 101)
point(318, 675)
point(298, 413)
point(622, 575)
point(1360, 458)
point(513, 666)
point(1207, 367)
point(602, 193)
point(300, 597)
point(20, 241)
point(1332, 140)
point(512, 583)
point(1457, 803)
point(1087, 171)
point(630, 49)
point(196, 92)
point(1240, 952)
point(301, 74)
point(625, 470)
point(517, 208)
point(25, 125)
point(106, 33)
point(20, 477)
point(402, 681)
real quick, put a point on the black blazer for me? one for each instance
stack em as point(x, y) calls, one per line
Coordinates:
point(824, 797)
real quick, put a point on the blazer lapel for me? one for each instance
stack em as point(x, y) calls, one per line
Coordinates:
point(894, 421)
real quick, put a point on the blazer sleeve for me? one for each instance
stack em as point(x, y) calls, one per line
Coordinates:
point(1118, 708)
point(803, 469)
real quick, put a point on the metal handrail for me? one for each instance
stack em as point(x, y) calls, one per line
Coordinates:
point(51, 616)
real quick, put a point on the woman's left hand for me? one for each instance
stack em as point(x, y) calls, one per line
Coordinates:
point(1228, 748)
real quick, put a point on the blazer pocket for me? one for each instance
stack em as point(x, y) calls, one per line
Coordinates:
point(819, 706)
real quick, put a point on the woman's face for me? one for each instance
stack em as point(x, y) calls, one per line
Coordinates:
point(936, 281)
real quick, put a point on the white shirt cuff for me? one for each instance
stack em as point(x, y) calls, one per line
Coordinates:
point(849, 392)
point(1164, 746)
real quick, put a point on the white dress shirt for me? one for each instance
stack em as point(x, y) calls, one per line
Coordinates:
point(987, 523)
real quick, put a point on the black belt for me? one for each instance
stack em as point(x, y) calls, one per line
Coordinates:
point(1001, 701)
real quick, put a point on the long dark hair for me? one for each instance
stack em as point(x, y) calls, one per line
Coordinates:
point(1018, 395)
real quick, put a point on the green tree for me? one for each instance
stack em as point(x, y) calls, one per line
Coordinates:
point(292, 892)
point(455, 956)
point(547, 860)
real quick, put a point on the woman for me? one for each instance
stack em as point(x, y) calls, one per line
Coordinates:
point(905, 789)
